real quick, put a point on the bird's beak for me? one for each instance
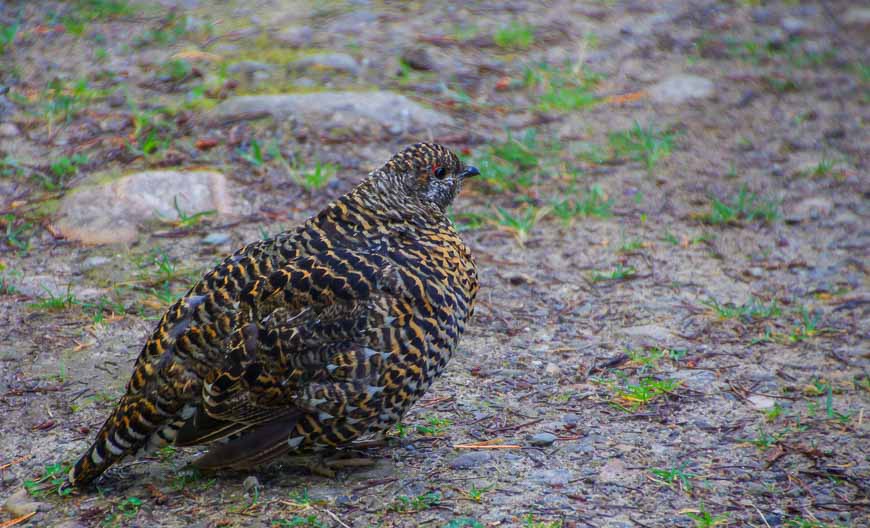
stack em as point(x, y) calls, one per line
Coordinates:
point(468, 172)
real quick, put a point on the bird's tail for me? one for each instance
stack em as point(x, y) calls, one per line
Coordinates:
point(135, 425)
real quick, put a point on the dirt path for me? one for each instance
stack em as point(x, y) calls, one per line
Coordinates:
point(670, 228)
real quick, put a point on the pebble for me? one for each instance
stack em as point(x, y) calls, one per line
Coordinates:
point(551, 477)
point(650, 331)
point(570, 419)
point(542, 439)
point(761, 402)
point(94, 262)
point(552, 369)
point(613, 471)
point(418, 59)
point(856, 17)
point(8, 130)
point(472, 459)
point(248, 67)
point(250, 484)
point(793, 26)
point(811, 208)
point(681, 88)
point(340, 62)
point(298, 37)
point(215, 239)
point(21, 503)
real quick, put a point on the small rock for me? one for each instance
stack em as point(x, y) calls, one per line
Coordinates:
point(651, 331)
point(327, 110)
point(793, 26)
point(756, 272)
point(552, 369)
point(542, 439)
point(761, 402)
point(113, 212)
point(341, 62)
point(418, 59)
point(94, 262)
point(614, 471)
point(699, 380)
point(7, 107)
point(215, 239)
point(21, 503)
point(810, 209)
point(681, 88)
point(570, 419)
point(550, 477)
point(298, 37)
point(248, 67)
point(8, 130)
point(118, 98)
point(763, 15)
point(858, 17)
point(251, 484)
point(471, 459)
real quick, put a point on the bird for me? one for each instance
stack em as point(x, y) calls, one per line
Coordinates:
point(323, 335)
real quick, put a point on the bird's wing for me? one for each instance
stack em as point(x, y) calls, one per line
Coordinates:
point(302, 354)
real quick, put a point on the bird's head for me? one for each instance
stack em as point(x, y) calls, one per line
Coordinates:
point(427, 173)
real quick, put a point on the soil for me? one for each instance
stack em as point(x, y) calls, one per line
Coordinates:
point(678, 357)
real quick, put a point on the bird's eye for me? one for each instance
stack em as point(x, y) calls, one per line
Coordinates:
point(440, 172)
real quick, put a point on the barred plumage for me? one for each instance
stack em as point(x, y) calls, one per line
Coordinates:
point(316, 337)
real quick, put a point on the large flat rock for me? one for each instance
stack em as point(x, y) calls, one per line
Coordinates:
point(114, 212)
point(354, 110)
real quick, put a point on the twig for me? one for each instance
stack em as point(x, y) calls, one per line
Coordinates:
point(485, 446)
point(17, 520)
point(335, 517)
point(761, 515)
point(13, 462)
point(513, 427)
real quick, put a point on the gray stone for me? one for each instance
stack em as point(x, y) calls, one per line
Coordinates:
point(251, 484)
point(650, 331)
point(8, 130)
point(216, 239)
point(571, 419)
point(552, 369)
point(338, 109)
point(681, 88)
point(793, 26)
point(95, 262)
point(856, 17)
point(113, 212)
point(7, 107)
point(542, 439)
point(551, 477)
point(248, 67)
point(699, 380)
point(761, 403)
point(341, 62)
point(21, 503)
point(472, 459)
point(298, 37)
point(811, 208)
point(614, 471)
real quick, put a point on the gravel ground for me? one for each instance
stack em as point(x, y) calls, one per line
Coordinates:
point(672, 328)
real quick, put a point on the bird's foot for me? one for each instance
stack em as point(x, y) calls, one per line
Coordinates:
point(326, 466)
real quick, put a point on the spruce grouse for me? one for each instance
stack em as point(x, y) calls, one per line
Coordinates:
point(310, 339)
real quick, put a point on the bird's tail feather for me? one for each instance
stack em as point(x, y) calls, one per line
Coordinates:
point(135, 425)
point(264, 444)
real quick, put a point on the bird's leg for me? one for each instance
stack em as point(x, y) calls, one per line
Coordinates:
point(378, 440)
